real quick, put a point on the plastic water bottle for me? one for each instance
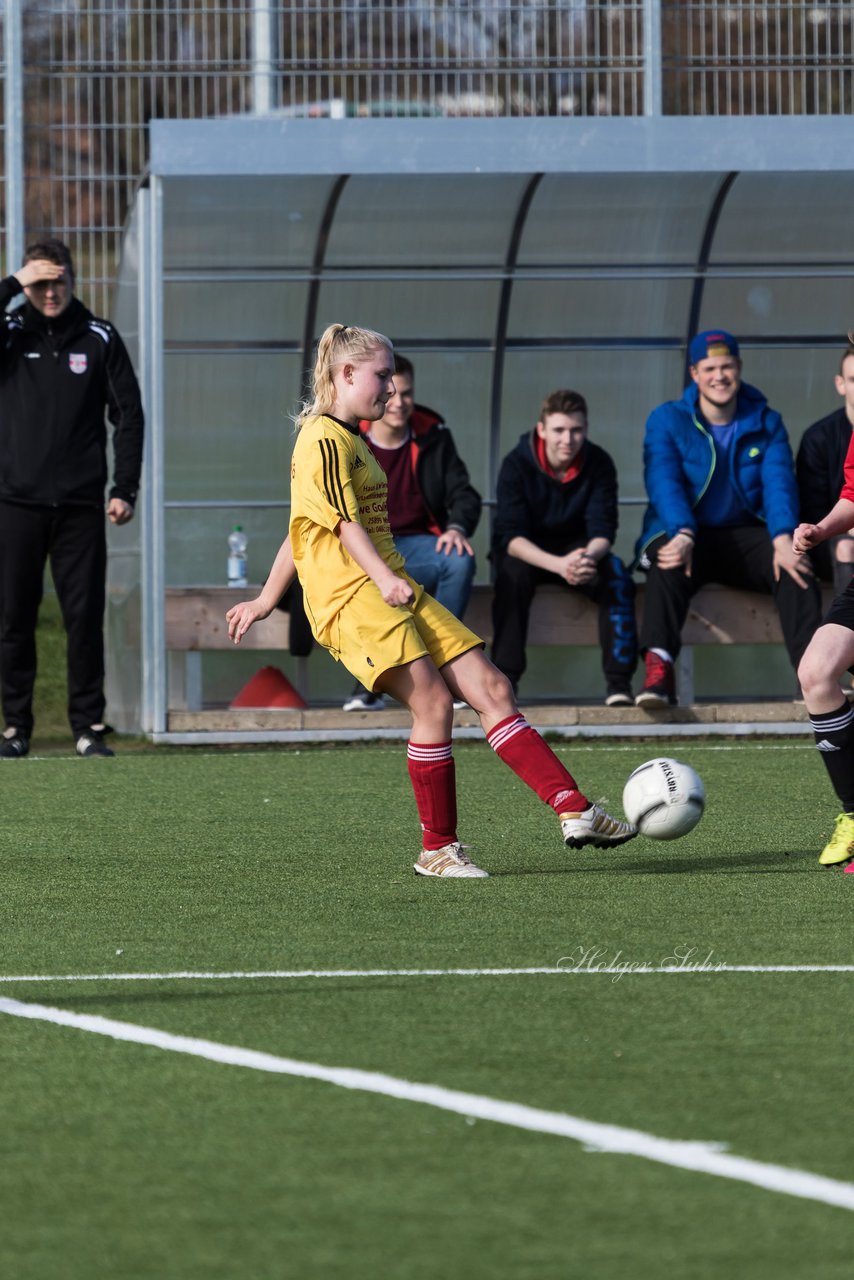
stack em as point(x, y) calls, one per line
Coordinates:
point(237, 544)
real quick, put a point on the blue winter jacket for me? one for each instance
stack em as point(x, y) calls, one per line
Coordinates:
point(679, 459)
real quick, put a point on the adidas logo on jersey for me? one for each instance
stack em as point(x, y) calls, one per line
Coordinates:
point(824, 745)
point(358, 464)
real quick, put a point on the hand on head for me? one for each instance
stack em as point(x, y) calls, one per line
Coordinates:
point(38, 269)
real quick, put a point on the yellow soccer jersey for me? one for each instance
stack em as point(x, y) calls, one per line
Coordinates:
point(335, 477)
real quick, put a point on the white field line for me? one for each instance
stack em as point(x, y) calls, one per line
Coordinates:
point(698, 1157)
point(572, 747)
point(618, 969)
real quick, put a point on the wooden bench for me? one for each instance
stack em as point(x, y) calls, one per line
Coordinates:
point(195, 621)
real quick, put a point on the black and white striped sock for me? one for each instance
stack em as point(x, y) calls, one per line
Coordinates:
point(834, 738)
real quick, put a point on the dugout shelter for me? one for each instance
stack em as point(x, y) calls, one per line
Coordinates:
point(506, 257)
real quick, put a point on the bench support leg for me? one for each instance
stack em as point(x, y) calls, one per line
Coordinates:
point(184, 691)
point(685, 676)
point(301, 677)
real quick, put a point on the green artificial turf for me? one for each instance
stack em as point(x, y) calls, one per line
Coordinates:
point(122, 1160)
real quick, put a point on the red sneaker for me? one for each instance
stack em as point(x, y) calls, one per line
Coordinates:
point(659, 686)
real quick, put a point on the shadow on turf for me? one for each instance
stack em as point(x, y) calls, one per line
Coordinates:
point(177, 997)
point(667, 865)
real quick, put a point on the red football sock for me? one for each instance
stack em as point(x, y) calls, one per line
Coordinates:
point(431, 769)
point(532, 759)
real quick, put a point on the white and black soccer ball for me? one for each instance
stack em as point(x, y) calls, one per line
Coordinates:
point(664, 798)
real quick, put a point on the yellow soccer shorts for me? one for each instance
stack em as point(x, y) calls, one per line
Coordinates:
point(370, 637)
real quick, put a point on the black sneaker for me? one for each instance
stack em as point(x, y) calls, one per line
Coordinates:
point(362, 699)
point(91, 743)
point(13, 745)
point(619, 695)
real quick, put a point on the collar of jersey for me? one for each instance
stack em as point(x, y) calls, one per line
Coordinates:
point(348, 426)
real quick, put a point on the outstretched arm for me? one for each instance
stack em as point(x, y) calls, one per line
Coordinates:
point(241, 616)
point(837, 521)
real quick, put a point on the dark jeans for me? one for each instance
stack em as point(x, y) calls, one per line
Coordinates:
point(612, 590)
point(737, 556)
point(73, 538)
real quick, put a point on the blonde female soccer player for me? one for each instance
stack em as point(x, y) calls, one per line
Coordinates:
point(388, 632)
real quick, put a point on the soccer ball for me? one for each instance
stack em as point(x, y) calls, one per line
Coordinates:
point(664, 798)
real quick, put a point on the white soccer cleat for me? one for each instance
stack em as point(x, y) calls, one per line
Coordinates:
point(594, 826)
point(450, 860)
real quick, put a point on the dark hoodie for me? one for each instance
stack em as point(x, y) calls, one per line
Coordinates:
point(555, 515)
point(58, 376)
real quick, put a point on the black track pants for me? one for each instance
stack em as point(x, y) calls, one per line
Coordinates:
point(73, 539)
point(612, 590)
point(735, 556)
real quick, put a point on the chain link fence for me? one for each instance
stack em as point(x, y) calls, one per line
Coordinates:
point(788, 58)
point(96, 71)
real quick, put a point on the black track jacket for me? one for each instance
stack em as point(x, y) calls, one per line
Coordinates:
point(57, 379)
point(819, 464)
point(554, 516)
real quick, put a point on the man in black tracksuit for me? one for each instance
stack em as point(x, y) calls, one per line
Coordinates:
point(555, 521)
point(819, 464)
point(61, 369)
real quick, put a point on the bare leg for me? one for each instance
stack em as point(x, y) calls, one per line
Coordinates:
point(828, 655)
point(488, 692)
point(421, 689)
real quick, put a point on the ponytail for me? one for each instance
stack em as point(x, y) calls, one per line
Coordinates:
point(338, 344)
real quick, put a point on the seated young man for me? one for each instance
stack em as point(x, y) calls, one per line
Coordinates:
point(555, 522)
point(723, 503)
point(820, 466)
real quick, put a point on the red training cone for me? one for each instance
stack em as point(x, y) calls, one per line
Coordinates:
point(269, 687)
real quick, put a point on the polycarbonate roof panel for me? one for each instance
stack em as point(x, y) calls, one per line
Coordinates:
point(765, 307)
point(610, 218)
point(586, 309)
point(230, 223)
point(786, 218)
point(798, 382)
point(407, 221)
point(264, 311)
point(229, 430)
point(441, 310)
